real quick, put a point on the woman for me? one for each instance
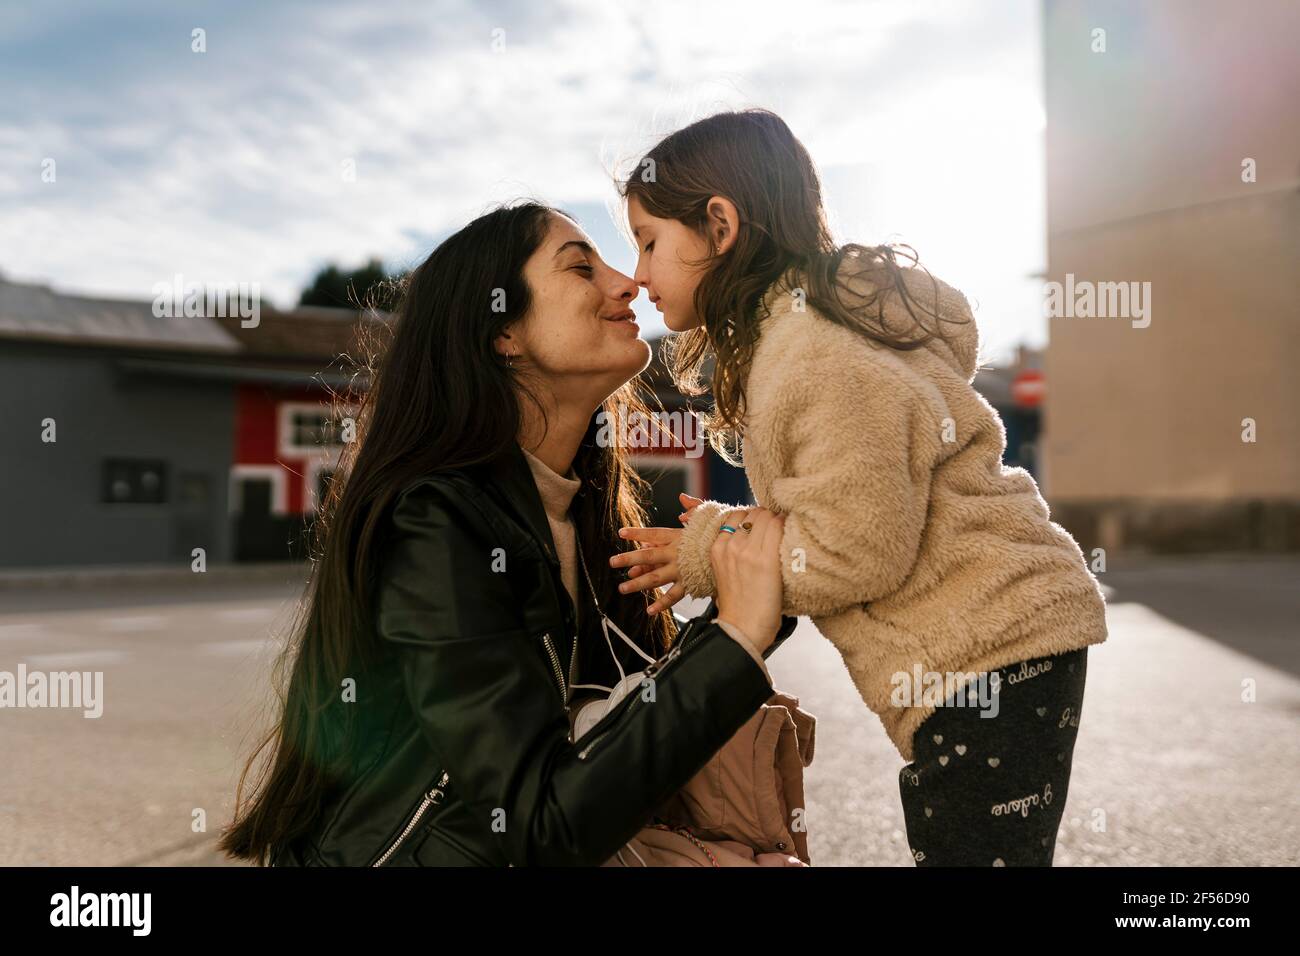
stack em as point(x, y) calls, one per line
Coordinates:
point(425, 716)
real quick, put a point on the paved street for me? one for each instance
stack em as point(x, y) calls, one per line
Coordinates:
point(1171, 768)
point(1169, 760)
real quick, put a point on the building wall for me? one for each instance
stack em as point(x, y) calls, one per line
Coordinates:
point(1157, 412)
point(53, 513)
point(1143, 427)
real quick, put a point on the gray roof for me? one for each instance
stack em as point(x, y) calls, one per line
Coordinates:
point(192, 371)
point(36, 312)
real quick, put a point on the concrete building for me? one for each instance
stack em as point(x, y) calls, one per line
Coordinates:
point(1173, 178)
point(130, 438)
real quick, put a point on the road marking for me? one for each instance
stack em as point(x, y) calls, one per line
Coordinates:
point(232, 648)
point(247, 615)
point(75, 658)
point(143, 622)
point(19, 631)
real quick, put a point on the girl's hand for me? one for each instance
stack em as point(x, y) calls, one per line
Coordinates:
point(689, 504)
point(747, 571)
point(654, 563)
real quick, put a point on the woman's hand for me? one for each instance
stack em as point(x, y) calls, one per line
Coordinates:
point(747, 569)
point(654, 563)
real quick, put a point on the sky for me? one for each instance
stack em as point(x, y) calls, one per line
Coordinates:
point(232, 165)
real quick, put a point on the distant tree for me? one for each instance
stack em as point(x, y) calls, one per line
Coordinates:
point(346, 290)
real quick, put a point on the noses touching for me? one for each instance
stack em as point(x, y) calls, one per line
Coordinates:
point(620, 288)
point(645, 284)
point(619, 291)
point(642, 278)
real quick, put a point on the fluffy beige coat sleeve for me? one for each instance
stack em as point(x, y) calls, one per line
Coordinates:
point(855, 445)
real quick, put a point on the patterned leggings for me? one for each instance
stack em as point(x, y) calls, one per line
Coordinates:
point(990, 790)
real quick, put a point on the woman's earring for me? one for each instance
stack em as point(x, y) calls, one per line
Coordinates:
point(509, 362)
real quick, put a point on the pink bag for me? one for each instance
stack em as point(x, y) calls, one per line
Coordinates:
point(745, 807)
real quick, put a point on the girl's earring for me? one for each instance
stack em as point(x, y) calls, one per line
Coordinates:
point(509, 360)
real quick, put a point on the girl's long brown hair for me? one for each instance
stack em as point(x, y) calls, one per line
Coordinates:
point(752, 158)
point(440, 397)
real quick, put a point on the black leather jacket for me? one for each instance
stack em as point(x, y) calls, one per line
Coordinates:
point(472, 763)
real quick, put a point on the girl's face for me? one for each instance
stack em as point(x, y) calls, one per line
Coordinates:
point(580, 336)
point(666, 253)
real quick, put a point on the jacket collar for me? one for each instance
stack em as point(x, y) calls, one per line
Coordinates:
point(510, 473)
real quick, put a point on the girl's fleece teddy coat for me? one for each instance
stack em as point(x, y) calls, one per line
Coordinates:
point(914, 550)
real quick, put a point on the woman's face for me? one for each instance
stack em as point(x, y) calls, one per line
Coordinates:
point(580, 334)
point(666, 251)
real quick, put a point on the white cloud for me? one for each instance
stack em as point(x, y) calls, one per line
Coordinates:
point(227, 165)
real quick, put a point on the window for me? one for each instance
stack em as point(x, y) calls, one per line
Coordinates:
point(313, 429)
point(134, 481)
point(310, 429)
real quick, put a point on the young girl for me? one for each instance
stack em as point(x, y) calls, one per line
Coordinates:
point(962, 612)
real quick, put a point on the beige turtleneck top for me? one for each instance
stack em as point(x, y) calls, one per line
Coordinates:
point(557, 492)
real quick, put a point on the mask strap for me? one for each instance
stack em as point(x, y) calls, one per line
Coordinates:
point(606, 623)
point(605, 619)
point(621, 675)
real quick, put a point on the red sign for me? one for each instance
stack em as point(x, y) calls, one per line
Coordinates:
point(1028, 387)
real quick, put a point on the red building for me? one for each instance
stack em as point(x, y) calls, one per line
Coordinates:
point(295, 406)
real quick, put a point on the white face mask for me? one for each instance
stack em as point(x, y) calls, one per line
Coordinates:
point(589, 714)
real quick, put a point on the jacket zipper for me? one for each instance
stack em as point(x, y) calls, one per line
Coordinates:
point(550, 645)
point(573, 659)
point(434, 796)
point(625, 704)
point(555, 666)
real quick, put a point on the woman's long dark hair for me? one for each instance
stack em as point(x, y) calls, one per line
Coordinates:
point(752, 158)
point(440, 397)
